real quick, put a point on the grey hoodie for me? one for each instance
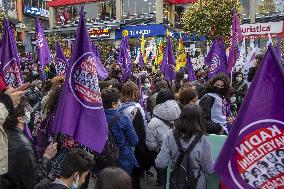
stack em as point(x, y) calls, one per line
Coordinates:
point(200, 156)
point(156, 129)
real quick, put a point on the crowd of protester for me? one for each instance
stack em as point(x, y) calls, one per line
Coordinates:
point(145, 130)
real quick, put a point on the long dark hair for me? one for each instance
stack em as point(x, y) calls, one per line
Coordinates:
point(12, 119)
point(220, 77)
point(190, 122)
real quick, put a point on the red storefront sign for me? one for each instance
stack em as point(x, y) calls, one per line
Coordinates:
point(182, 1)
point(58, 3)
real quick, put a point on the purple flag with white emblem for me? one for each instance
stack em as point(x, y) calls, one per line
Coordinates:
point(61, 61)
point(43, 51)
point(252, 156)
point(80, 113)
point(216, 59)
point(101, 70)
point(168, 66)
point(236, 37)
point(124, 59)
point(10, 64)
point(191, 73)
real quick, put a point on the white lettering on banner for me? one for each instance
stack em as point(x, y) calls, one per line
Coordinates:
point(140, 32)
point(262, 28)
point(256, 139)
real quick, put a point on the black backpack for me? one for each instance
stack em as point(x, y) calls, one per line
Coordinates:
point(110, 153)
point(182, 176)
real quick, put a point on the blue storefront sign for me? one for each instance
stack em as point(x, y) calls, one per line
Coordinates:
point(150, 30)
point(36, 11)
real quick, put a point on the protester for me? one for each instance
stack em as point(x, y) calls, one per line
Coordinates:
point(135, 113)
point(121, 129)
point(113, 178)
point(252, 70)
point(8, 100)
point(240, 88)
point(24, 169)
point(164, 115)
point(189, 126)
point(178, 81)
point(214, 105)
point(187, 96)
point(75, 168)
point(151, 103)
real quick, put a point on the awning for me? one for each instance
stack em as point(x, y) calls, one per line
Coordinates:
point(182, 1)
point(58, 3)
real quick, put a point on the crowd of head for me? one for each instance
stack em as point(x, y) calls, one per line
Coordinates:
point(144, 125)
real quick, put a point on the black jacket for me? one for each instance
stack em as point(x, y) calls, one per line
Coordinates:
point(206, 104)
point(24, 169)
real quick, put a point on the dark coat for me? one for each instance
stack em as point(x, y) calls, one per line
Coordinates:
point(24, 169)
point(206, 104)
point(125, 138)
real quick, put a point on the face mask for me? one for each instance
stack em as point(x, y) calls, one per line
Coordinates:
point(239, 79)
point(185, 76)
point(219, 91)
point(233, 99)
point(148, 85)
point(76, 184)
point(27, 118)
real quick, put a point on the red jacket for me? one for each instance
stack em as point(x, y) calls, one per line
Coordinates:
point(2, 84)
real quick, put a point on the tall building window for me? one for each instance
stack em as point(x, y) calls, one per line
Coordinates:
point(138, 8)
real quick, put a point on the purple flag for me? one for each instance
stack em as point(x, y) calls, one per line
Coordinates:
point(61, 61)
point(10, 63)
point(80, 112)
point(43, 51)
point(252, 156)
point(278, 48)
point(124, 59)
point(216, 59)
point(168, 66)
point(101, 70)
point(96, 51)
point(236, 37)
point(191, 73)
point(141, 60)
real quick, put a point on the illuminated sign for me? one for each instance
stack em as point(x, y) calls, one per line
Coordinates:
point(99, 33)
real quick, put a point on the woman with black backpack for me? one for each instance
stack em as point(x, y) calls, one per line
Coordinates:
point(187, 147)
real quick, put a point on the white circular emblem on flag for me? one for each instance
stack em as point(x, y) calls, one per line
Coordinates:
point(84, 83)
point(12, 74)
point(258, 158)
point(39, 40)
point(215, 64)
point(60, 66)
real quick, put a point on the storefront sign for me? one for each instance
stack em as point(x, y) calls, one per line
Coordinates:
point(262, 28)
point(101, 33)
point(137, 31)
point(36, 11)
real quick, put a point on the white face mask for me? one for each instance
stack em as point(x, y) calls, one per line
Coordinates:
point(75, 185)
point(27, 118)
point(233, 99)
point(148, 85)
point(239, 78)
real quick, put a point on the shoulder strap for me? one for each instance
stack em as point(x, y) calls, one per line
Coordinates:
point(112, 122)
point(180, 148)
point(165, 121)
point(193, 143)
